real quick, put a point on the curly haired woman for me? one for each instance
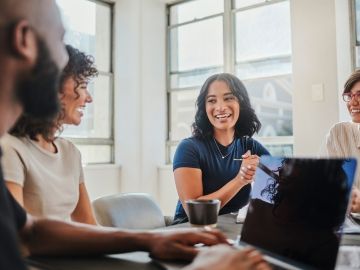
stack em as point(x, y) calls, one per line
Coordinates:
point(42, 171)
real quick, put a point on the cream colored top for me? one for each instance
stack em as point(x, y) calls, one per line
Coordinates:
point(50, 181)
point(343, 140)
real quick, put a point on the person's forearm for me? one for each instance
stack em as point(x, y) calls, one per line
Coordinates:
point(227, 192)
point(50, 237)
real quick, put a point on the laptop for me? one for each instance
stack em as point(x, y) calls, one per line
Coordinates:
point(297, 209)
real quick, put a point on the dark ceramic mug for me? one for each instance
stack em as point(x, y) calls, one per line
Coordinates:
point(203, 212)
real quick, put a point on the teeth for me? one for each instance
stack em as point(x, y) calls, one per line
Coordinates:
point(355, 111)
point(222, 116)
point(81, 109)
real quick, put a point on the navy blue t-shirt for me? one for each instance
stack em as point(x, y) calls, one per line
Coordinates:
point(216, 171)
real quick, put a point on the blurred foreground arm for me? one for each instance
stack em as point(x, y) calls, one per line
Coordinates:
point(52, 237)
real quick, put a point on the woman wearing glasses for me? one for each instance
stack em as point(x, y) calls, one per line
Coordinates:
point(343, 139)
point(219, 160)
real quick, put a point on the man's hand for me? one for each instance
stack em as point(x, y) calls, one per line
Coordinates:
point(223, 257)
point(355, 200)
point(180, 245)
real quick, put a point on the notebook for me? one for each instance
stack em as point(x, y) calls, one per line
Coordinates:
point(297, 209)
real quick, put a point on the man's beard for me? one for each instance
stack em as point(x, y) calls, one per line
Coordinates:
point(38, 92)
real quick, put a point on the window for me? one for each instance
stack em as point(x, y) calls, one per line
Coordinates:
point(92, 34)
point(356, 12)
point(249, 38)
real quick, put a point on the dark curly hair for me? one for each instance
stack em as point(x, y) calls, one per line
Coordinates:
point(247, 124)
point(315, 191)
point(80, 67)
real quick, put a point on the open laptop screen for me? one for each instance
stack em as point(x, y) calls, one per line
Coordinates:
point(297, 208)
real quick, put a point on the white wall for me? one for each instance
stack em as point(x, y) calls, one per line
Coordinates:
point(315, 60)
point(320, 56)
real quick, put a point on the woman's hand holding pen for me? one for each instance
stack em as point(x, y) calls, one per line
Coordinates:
point(248, 167)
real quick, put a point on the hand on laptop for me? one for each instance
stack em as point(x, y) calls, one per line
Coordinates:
point(180, 245)
point(222, 257)
point(355, 200)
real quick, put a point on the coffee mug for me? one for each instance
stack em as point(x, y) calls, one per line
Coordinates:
point(203, 212)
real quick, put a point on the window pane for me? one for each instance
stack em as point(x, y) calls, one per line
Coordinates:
point(193, 78)
point(280, 150)
point(95, 153)
point(263, 32)
point(192, 50)
point(357, 56)
point(264, 68)
point(90, 33)
point(246, 3)
point(96, 122)
point(195, 10)
point(182, 113)
point(272, 101)
point(357, 16)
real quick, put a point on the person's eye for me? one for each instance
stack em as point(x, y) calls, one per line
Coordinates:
point(211, 101)
point(230, 98)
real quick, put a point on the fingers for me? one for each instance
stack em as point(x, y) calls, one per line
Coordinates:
point(247, 173)
point(206, 237)
point(181, 245)
point(247, 154)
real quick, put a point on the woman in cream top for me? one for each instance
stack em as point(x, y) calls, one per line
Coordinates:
point(343, 139)
point(44, 172)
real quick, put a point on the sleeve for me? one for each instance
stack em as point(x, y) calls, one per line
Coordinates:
point(19, 212)
point(13, 165)
point(333, 148)
point(186, 155)
point(81, 177)
point(256, 148)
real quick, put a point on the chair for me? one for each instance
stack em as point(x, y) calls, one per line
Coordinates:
point(129, 211)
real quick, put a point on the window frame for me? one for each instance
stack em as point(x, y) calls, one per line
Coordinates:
point(229, 64)
point(110, 74)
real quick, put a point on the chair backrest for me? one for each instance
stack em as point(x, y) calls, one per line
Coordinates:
point(128, 211)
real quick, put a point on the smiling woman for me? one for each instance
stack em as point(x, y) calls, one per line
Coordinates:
point(343, 139)
point(220, 159)
point(44, 172)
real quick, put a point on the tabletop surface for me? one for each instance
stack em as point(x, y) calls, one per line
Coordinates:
point(141, 260)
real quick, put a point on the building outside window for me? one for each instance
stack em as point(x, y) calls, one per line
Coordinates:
point(249, 38)
point(92, 34)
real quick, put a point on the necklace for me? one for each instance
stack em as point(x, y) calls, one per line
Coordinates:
point(221, 154)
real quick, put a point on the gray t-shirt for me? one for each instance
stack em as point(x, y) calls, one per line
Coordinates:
point(50, 181)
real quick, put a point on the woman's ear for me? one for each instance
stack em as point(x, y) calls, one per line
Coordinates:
point(24, 43)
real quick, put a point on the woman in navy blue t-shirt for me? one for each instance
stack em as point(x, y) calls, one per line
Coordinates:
point(205, 165)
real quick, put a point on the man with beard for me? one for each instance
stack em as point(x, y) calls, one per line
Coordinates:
point(32, 54)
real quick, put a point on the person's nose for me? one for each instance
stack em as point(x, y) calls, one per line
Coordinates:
point(88, 97)
point(354, 100)
point(220, 106)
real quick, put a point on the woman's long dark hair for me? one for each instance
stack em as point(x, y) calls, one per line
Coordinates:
point(80, 67)
point(247, 124)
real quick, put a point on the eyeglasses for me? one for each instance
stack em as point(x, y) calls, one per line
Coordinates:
point(347, 97)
